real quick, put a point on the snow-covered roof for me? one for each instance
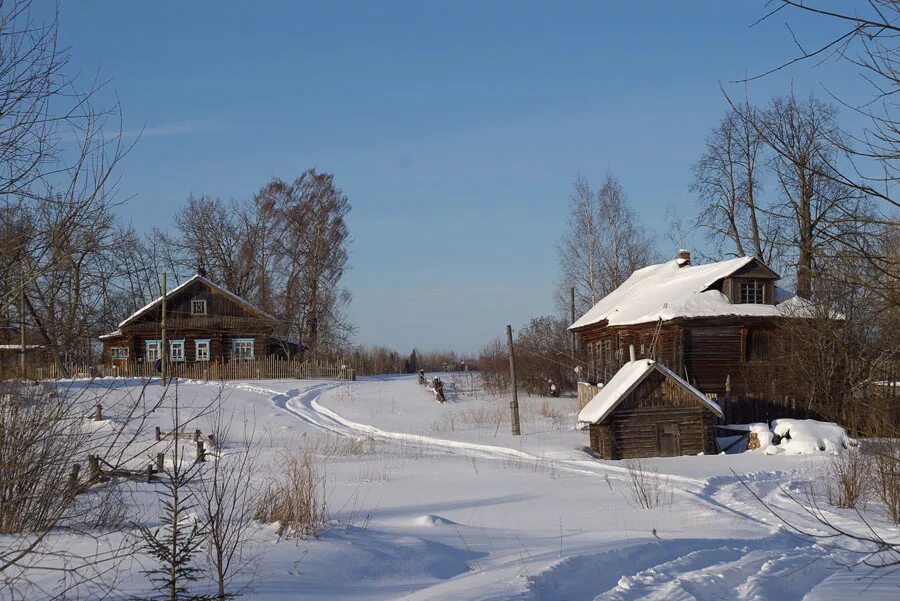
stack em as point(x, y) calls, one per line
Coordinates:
point(114, 334)
point(674, 290)
point(18, 347)
point(188, 282)
point(624, 381)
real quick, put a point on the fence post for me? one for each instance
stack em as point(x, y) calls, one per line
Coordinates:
point(94, 465)
point(98, 413)
point(158, 434)
point(160, 462)
point(73, 478)
point(201, 452)
point(211, 439)
point(149, 472)
point(198, 435)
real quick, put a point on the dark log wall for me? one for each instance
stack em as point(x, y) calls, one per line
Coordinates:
point(637, 427)
point(636, 432)
point(711, 355)
point(669, 347)
point(657, 391)
point(706, 352)
point(219, 343)
point(178, 306)
point(225, 319)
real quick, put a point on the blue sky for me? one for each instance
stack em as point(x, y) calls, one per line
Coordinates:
point(456, 128)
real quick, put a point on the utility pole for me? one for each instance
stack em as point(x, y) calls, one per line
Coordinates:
point(514, 403)
point(162, 343)
point(572, 308)
point(22, 327)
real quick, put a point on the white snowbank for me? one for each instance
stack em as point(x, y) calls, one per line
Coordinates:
point(799, 436)
point(808, 436)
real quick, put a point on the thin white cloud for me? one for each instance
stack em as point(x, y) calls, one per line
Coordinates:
point(178, 128)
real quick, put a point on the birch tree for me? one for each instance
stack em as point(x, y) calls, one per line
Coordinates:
point(603, 243)
point(311, 242)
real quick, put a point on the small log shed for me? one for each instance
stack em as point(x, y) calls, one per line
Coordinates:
point(647, 410)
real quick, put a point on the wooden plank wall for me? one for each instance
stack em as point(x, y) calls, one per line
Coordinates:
point(635, 432)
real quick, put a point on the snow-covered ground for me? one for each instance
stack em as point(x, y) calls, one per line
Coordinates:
point(439, 501)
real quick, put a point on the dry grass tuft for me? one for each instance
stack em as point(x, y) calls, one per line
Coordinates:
point(296, 502)
point(847, 479)
point(647, 488)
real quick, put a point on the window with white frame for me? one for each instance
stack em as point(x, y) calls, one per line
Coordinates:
point(118, 353)
point(753, 292)
point(151, 352)
point(176, 351)
point(202, 350)
point(242, 349)
point(198, 306)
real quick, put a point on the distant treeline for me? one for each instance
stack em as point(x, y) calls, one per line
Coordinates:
point(373, 360)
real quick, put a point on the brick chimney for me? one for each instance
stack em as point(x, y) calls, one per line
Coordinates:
point(683, 257)
point(201, 270)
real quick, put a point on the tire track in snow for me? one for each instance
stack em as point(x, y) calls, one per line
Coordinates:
point(748, 570)
point(304, 404)
point(776, 567)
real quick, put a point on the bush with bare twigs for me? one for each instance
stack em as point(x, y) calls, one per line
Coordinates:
point(886, 480)
point(296, 502)
point(847, 479)
point(646, 487)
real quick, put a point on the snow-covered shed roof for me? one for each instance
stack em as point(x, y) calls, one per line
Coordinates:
point(674, 290)
point(188, 282)
point(626, 380)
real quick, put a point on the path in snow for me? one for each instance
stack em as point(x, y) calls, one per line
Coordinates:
point(773, 566)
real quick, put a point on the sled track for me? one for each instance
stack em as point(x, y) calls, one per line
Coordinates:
point(777, 566)
point(774, 567)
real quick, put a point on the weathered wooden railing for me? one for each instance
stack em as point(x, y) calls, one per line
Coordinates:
point(586, 392)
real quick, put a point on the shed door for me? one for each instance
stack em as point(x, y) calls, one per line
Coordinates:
point(669, 440)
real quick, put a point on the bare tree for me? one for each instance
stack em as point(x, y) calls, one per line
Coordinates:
point(866, 40)
point(603, 244)
point(866, 161)
point(579, 250)
point(228, 239)
point(311, 252)
point(228, 502)
point(815, 208)
point(56, 182)
point(43, 434)
point(727, 181)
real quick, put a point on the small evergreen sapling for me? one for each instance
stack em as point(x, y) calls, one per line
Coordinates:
point(180, 536)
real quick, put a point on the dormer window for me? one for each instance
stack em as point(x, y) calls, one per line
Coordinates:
point(198, 306)
point(752, 292)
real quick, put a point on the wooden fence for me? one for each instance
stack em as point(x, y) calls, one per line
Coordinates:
point(268, 368)
point(586, 392)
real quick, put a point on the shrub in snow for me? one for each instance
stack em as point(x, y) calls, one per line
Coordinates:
point(647, 488)
point(847, 479)
point(296, 503)
point(886, 475)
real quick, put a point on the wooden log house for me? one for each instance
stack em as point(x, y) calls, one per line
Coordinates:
point(715, 325)
point(205, 323)
point(646, 410)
